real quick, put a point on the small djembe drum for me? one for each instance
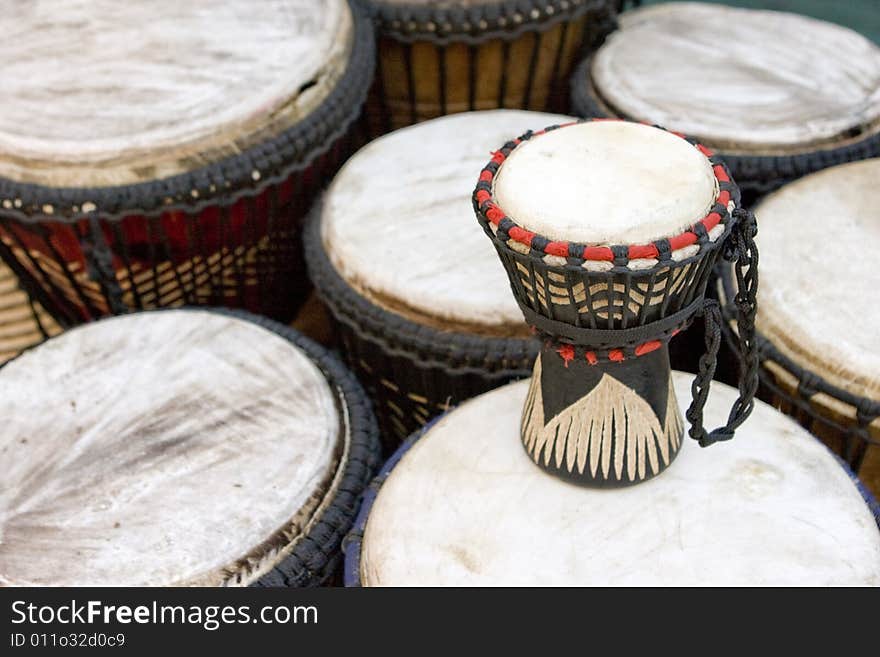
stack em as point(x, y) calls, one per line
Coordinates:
point(179, 447)
point(608, 231)
point(164, 154)
point(422, 306)
point(438, 57)
point(461, 504)
point(817, 342)
point(778, 96)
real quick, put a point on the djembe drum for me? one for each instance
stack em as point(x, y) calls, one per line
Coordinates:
point(179, 447)
point(779, 96)
point(439, 57)
point(608, 231)
point(463, 505)
point(422, 306)
point(164, 154)
point(818, 348)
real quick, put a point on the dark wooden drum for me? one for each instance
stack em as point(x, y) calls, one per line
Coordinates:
point(777, 95)
point(163, 154)
point(439, 57)
point(179, 447)
point(817, 331)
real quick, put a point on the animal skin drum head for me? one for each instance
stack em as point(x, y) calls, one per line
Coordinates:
point(742, 80)
point(606, 182)
point(818, 273)
point(100, 93)
point(398, 224)
point(466, 506)
point(180, 447)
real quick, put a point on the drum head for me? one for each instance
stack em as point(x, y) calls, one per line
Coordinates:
point(466, 506)
point(101, 93)
point(167, 448)
point(818, 237)
point(741, 80)
point(398, 225)
point(606, 182)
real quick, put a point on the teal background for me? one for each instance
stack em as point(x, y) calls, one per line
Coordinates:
point(860, 15)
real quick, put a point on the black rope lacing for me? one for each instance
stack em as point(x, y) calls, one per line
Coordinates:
point(743, 253)
point(99, 261)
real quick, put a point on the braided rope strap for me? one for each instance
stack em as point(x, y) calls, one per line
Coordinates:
point(742, 251)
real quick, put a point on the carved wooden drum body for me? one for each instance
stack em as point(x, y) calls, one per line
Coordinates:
point(817, 334)
point(778, 95)
point(164, 154)
point(463, 505)
point(438, 57)
point(423, 306)
point(179, 447)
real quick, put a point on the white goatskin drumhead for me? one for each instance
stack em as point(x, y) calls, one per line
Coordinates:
point(819, 238)
point(467, 506)
point(167, 448)
point(606, 182)
point(739, 79)
point(399, 226)
point(102, 93)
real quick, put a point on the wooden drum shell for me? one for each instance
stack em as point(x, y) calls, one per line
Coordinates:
point(426, 74)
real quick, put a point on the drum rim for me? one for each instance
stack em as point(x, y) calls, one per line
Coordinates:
point(352, 545)
point(431, 347)
point(275, 159)
point(315, 554)
point(474, 25)
point(756, 173)
point(494, 219)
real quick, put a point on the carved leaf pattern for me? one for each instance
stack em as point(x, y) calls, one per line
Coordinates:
point(610, 427)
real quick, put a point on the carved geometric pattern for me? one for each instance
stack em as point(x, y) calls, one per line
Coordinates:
point(604, 300)
point(607, 429)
